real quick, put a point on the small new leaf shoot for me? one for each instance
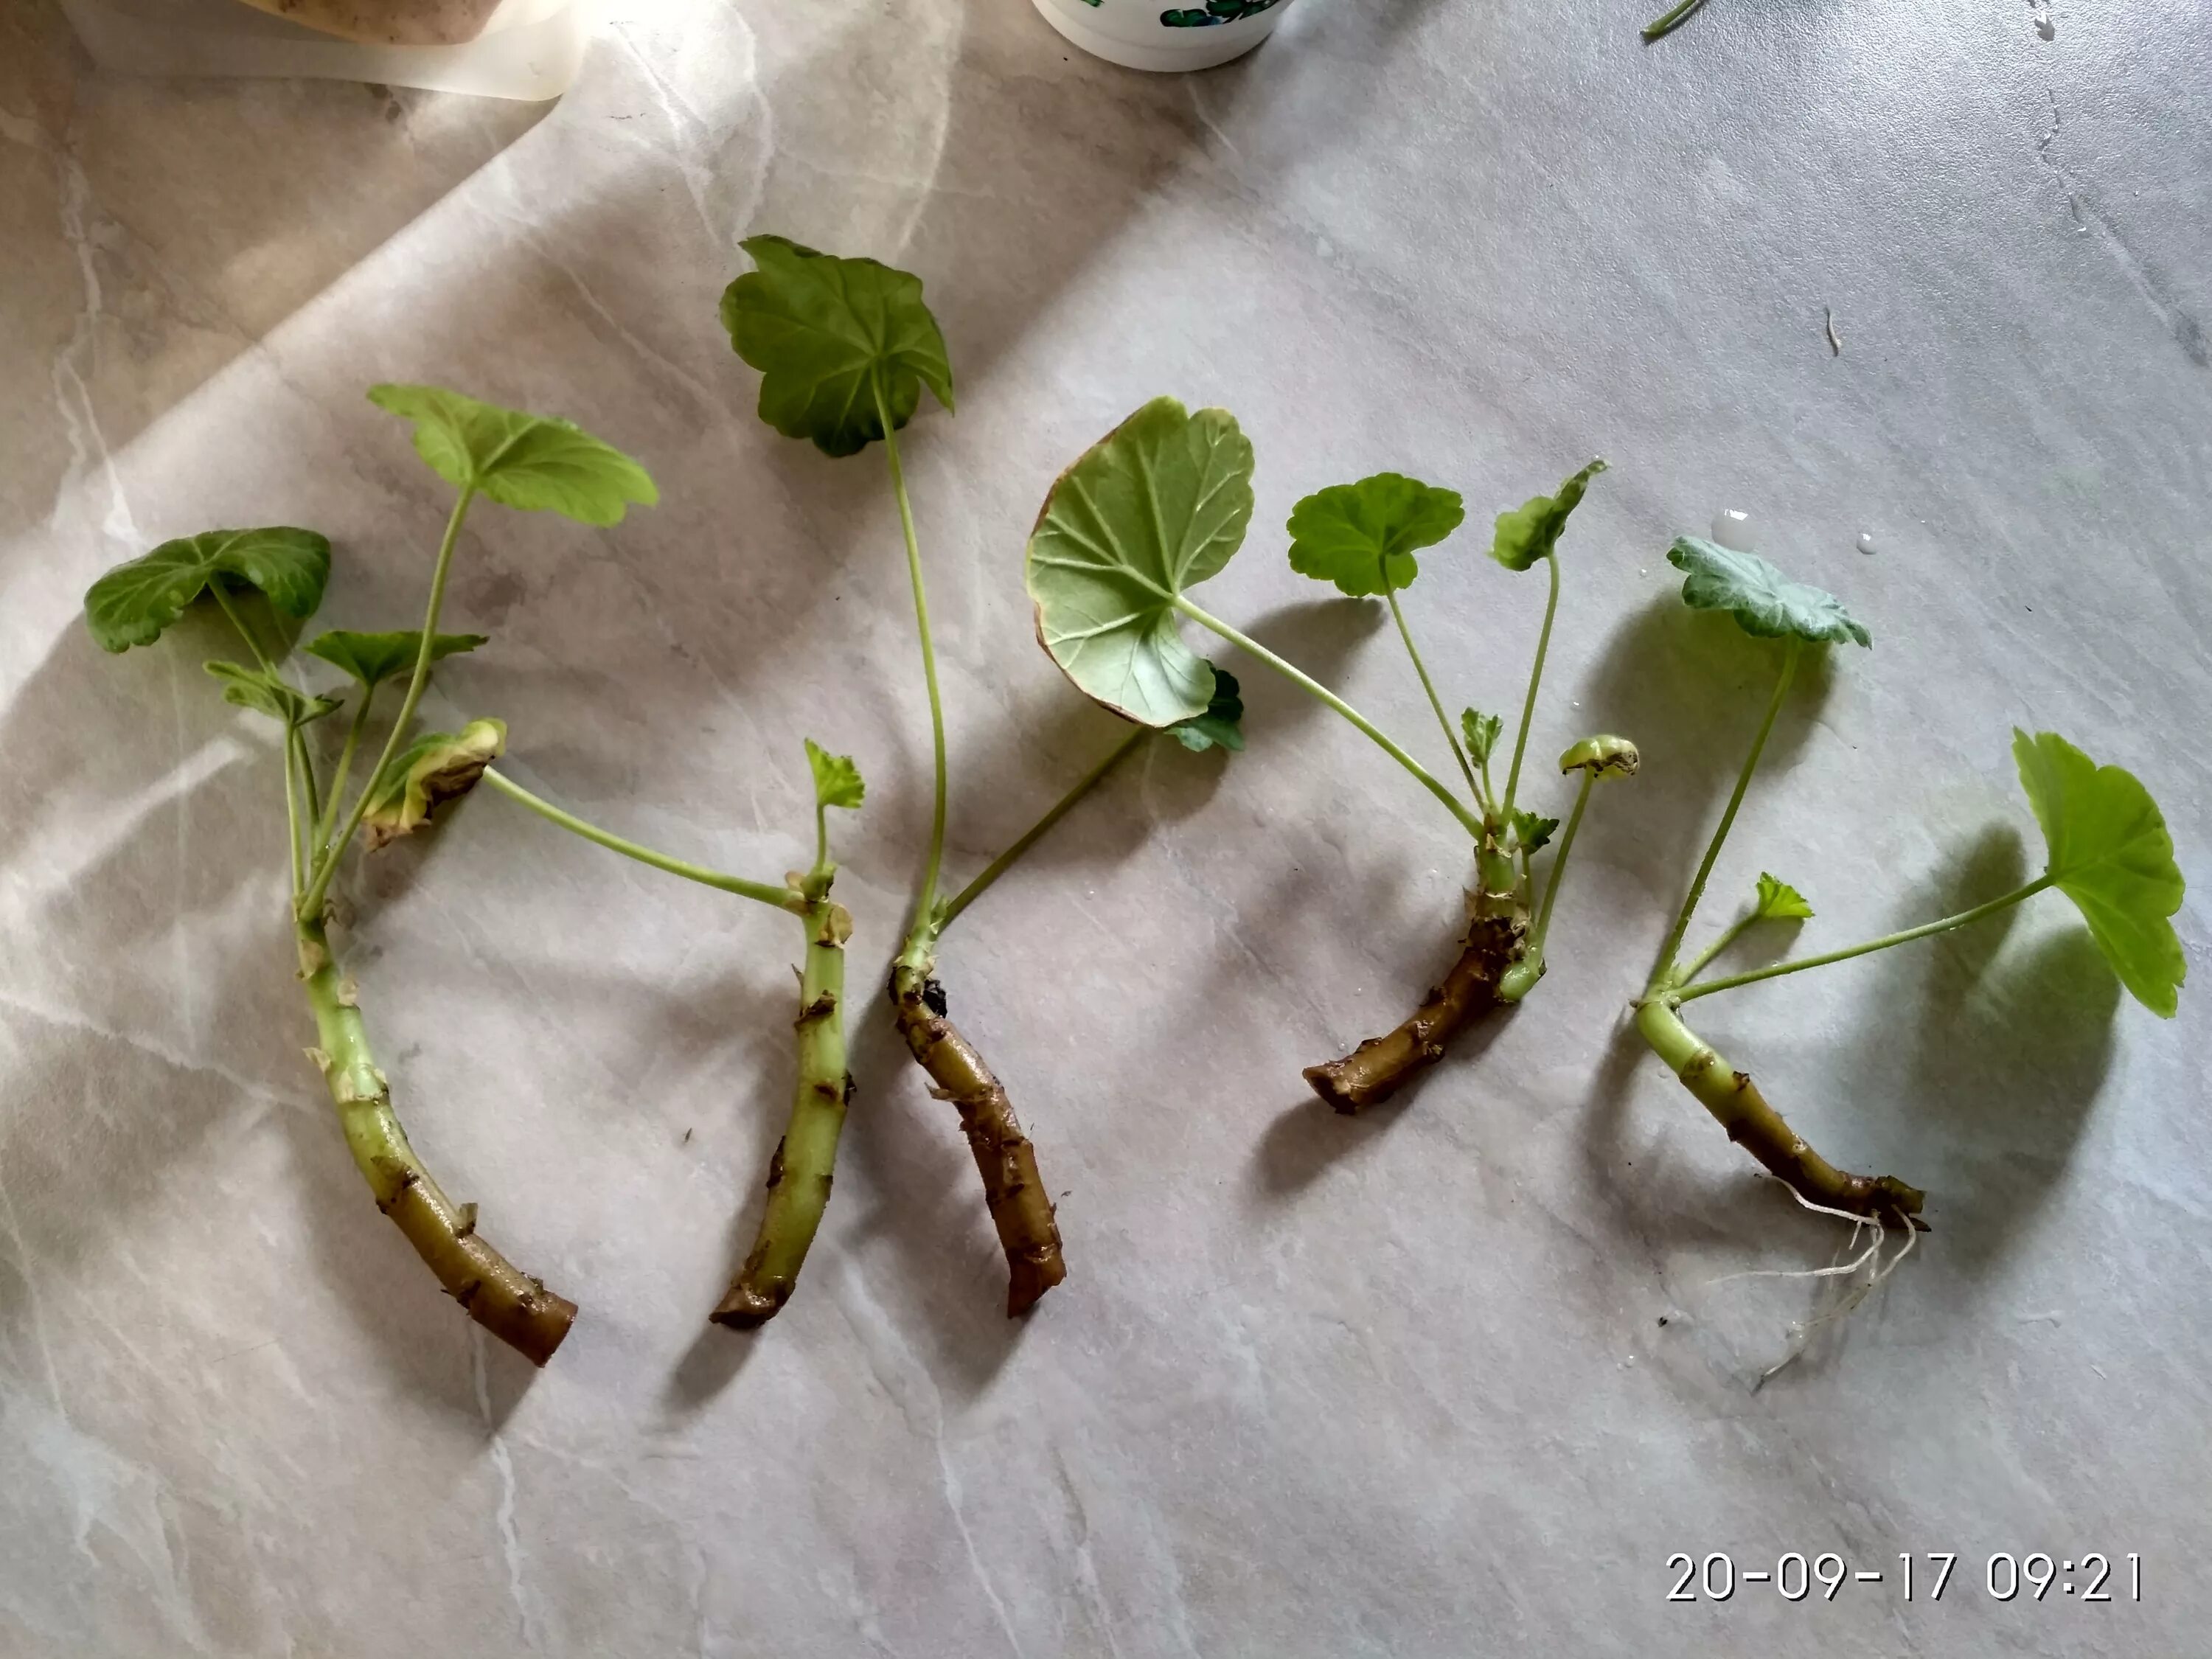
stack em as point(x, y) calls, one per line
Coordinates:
point(837, 780)
point(2110, 854)
point(1160, 504)
point(1780, 901)
point(1481, 732)
point(1363, 535)
point(1531, 531)
point(1764, 602)
point(435, 767)
point(1531, 832)
point(1221, 726)
point(267, 694)
point(372, 659)
point(532, 462)
point(828, 334)
point(134, 603)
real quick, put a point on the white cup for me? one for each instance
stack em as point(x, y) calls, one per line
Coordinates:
point(1165, 35)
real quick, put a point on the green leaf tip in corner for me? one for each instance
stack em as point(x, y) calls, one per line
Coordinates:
point(134, 603)
point(826, 333)
point(837, 780)
point(1221, 726)
point(1157, 505)
point(1531, 531)
point(436, 768)
point(267, 694)
point(1363, 535)
point(1530, 832)
point(1481, 732)
point(372, 659)
point(1764, 602)
point(535, 462)
point(1602, 756)
point(1780, 901)
point(2110, 853)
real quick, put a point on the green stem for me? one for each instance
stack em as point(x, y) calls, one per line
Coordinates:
point(311, 904)
point(1672, 19)
point(925, 923)
point(1535, 679)
point(1306, 682)
point(1560, 867)
point(238, 622)
point(1733, 931)
point(1778, 970)
point(780, 898)
point(330, 818)
point(292, 816)
point(1666, 967)
point(1435, 701)
point(1029, 837)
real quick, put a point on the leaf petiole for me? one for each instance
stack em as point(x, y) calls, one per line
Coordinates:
point(1925, 930)
point(1535, 679)
point(318, 885)
point(330, 818)
point(1560, 868)
point(1029, 837)
point(926, 921)
point(1398, 615)
point(777, 898)
point(1672, 19)
point(1468, 821)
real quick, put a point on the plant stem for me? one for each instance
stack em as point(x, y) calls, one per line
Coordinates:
point(1435, 701)
point(1733, 931)
point(800, 1173)
point(1672, 19)
point(1380, 1067)
point(517, 1308)
point(924, 930)
point(1535, 679)
point(1926, 929)
point(1029, 837)
point(292, 815)
point(1560, 868)
point(1666, 967)
point(1468, 821)
point(780, 898)
point(319, 885)
point(238, 622)
point(330, 818)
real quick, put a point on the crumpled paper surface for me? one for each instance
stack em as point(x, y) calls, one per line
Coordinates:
point(1456, 1378)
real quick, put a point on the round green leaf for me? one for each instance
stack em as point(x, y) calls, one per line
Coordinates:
point(373, 659)
point(1763, 601)
point(1157, 505)
point(1531, 531)
point(837, 780)
point(1778, 901)
point(1363, 535)
point(825, 332)
point(133, 603)
point(2110, 853)
point(533, 462)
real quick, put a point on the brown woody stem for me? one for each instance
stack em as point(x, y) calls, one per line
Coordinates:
point(1380, 1067)
point(1733, 1099)
point(1021, 1207)
point(508, 1302)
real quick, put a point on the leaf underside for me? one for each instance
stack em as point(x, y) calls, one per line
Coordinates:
point(837, 780)
point(532, 462)
point(270, 694)
point(1363, 535)
point(1531, 531)
point(2110, 854)
point(132, 604)
point(1222, 725)
point(1156, 505)
point(373, 659)
point(825, 333)
point(1764, 602)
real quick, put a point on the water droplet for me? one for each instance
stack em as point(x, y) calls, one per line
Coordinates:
point(1733, 529)
point(1866, 541)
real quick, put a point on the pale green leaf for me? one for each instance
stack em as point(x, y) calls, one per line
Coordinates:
point(1530, 832)
point(436, 768)
point(1780, 901)
point(1604, 756)
point(133, 603)
point(1155, 507)
point(1763, 601)
point(828, 334)
point(268, 693)
point(533, 462)
point(2110, 853)
point(1531, 531)
point(1363, 535)
point(373, 659)
point(1222, 725)
point(837, 780)
point(1481, 732)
